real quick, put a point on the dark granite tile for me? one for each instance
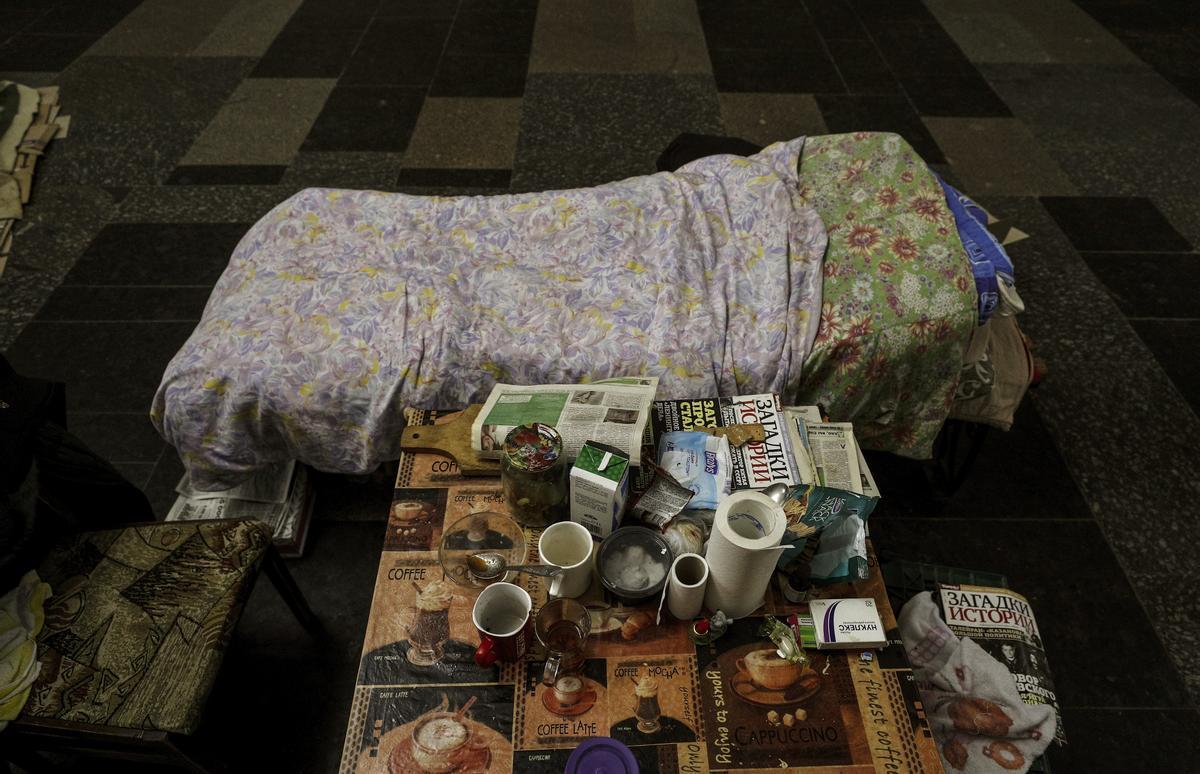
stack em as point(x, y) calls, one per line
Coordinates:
point(124, 438)
point(920, 49)
point(136, 473)
point(334, 14)
point(417, 9)
point(1114, 223)
point(479, 31)
point(1176, 344)
point(58, 225)
point(366, 118)
point(83, 18)
point(1105, 395)
point(117, 153)
point(884, 13)
point(791, 71)
point(494, 75)
point(20, 19)
point(301, 51)
point(288, 668)
point(961, 95)
point(157, 254)
point(27, 51)
point(226, 174)
point(334, 169)
point(160, 487)
point(1101, 740)
point(835, 20)
point(154, 90)
point(1150, 284)
point(199, 204)
point(861, 67)
point(879, 114)
point(76, 303)
point(514, 5)
point(397, 52)
point(586, 129)
point(454, 178)
point(1175, 616)
point(1077, 589)
point(1115, 130)
point(106, 366)
point(774, 26)
point(1026, 454)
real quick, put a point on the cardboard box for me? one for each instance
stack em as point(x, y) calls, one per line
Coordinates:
point(599, 488)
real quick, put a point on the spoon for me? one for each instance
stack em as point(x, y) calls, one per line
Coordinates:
point(490, 565)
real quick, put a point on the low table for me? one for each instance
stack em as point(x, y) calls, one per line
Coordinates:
point(863, 715)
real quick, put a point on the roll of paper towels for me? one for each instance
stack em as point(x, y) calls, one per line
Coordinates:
point(742, 552)
point(685, 586)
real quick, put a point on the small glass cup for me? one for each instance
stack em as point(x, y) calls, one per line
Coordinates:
point(562, 626)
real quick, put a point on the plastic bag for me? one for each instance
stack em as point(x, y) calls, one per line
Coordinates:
point(698, 461)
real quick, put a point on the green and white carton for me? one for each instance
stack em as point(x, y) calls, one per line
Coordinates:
point(599, 487)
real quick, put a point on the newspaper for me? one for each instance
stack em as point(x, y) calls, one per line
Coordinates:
point(835, 455)
point(286, 517)
point(798, 419)
point(611, 411)
point(269, 485)
point(1001, 622)
point(757, 464)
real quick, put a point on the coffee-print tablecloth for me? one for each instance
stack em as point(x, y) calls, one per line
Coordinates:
point(853, 712)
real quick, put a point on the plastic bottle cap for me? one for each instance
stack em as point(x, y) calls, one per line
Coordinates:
point(601, 756)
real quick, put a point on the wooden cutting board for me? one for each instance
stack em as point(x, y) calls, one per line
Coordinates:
point(451, 439)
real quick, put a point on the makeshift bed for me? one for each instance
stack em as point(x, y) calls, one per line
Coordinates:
point(826, 269)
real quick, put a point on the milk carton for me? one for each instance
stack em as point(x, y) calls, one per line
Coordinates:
point(599, 486)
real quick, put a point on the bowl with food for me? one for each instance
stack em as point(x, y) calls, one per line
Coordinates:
point(633, 563)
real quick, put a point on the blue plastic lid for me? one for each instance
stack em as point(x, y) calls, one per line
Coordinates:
point(601, 756)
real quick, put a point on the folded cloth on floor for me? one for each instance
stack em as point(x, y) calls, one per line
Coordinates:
point(21, 619)
point(989, 262)
point(978, 719)
point(340, 308)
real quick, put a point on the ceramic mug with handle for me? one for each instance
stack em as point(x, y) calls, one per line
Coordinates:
point(568, 545)
point(502, 617)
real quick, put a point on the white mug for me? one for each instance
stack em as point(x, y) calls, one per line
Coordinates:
point(685, 586)
point(567, 545)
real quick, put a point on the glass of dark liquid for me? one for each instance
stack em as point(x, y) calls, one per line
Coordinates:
point(562, 626)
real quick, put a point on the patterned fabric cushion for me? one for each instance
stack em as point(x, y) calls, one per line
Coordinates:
point(139, 621)
point(898, 299)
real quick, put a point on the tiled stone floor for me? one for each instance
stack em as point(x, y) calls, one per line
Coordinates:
point(1075, 119)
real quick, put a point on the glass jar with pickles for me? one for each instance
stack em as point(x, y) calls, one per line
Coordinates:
point(533, 473)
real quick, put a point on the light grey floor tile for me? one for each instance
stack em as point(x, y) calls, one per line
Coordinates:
point(767, 118)
point(998, 156)
point(248, 29)
point(618, 36)
point(264, 122)
point(465, 132)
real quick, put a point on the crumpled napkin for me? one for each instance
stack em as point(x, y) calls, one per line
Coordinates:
point(21, 619)
point(977, 717)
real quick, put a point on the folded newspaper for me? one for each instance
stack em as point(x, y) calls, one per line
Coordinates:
point(610, 411)
point(827, 453)
point(1001, 622)
point(278, 495)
